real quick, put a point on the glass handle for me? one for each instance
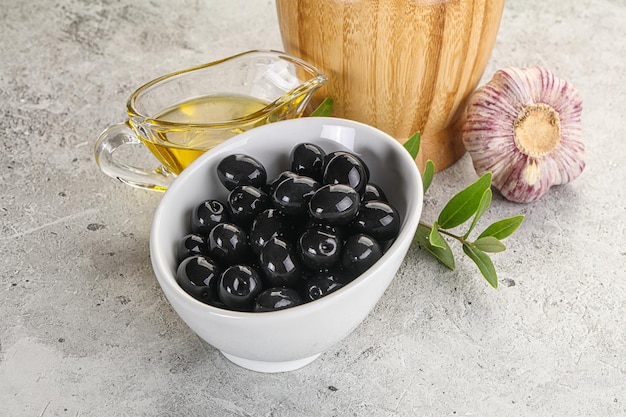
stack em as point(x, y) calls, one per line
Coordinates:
point(112, 139)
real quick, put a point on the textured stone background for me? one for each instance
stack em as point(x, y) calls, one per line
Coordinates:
point(85, 330)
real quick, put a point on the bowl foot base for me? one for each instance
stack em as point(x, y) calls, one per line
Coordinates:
point(270, 367)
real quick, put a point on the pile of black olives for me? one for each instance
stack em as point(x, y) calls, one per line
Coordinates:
point(290, 240)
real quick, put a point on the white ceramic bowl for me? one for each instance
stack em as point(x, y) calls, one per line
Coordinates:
point(287, 339)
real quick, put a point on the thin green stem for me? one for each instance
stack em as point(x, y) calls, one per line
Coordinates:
point(461, 239)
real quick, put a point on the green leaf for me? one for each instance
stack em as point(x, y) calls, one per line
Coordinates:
point(489, 244)
point(324, 109)
point(413, 144)
point(483, 261)
point(503, 228)
point(444, 255)
point(429, 173)
point(435, 237)
point(485, 202)
point(464, 204)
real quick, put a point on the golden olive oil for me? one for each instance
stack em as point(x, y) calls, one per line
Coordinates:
point(187, 130)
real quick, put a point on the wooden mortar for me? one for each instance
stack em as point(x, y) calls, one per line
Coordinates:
point(400, 65)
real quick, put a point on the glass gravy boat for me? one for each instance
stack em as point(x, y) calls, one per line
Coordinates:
point(181, 115)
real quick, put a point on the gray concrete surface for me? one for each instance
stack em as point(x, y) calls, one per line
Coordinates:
point(85, 330)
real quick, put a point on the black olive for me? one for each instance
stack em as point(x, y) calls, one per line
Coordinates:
point(228, 244)
point(373, 192)
point(377, 219)
point(239, 169)
point(346, 168)
point(191, 244)
point(279, 263)
point(239, 286)
point(307, 159)
point(199, 276)
point(341, 232)
point(360, 253)
point(334, 204)
point(324, 283)
point(280, 178)
point(319, 248)
point(245, 203)
point(206, 215)
point(276, 298)
point(268, 224)
point(292, 195)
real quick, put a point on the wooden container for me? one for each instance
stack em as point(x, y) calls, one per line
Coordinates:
point(400, 65)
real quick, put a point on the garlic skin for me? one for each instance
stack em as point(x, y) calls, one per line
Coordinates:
point(525, 127)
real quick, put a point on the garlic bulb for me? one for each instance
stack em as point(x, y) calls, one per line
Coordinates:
point(525, 127)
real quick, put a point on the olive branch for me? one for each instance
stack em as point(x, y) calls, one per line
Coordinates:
point(469, 203)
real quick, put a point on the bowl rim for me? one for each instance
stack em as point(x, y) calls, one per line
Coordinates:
point(412, 216)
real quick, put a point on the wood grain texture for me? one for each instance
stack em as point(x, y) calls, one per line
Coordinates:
point(400, 65)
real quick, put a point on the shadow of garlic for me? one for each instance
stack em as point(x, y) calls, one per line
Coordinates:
point(524, 126)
